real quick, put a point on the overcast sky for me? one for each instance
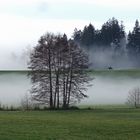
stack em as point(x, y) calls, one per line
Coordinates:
point(24, 21)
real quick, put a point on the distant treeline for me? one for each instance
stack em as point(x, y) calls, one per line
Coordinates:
point(111, 35)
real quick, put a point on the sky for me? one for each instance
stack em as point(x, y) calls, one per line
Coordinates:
point(23, 22)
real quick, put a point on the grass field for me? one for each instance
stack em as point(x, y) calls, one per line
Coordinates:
point(98, 124)
point(133, 73)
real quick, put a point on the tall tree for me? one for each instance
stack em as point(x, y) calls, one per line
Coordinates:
point(77, 36)
point(133, 45)
point(58, 71)
point(112, 33)
point(88, 35)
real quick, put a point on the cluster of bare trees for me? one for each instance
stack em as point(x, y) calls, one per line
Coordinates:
point(58, 71)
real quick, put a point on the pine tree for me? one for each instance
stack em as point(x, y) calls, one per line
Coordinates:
point(133, 45)
point(88, 35)
point(112, 33)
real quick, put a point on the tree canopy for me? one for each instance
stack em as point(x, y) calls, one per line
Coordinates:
point(111, 33)
point(133, 45)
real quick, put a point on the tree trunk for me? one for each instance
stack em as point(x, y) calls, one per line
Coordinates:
point(69, 92)
point(50, 80)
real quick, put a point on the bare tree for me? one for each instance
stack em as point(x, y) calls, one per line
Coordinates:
point(58, 71)
point(134, 97)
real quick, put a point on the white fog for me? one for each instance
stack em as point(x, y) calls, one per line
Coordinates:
point(111, 89)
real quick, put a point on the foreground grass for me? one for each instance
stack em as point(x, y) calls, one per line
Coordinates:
point(98, 124)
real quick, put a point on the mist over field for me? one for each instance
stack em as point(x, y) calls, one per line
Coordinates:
point(99, 59)
point(111, 89)
point(102, 59)
point(108, 87)
point(13, 87)
point(14, 59)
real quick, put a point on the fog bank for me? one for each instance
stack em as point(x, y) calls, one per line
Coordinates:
point(118, 59)
point(106, 89)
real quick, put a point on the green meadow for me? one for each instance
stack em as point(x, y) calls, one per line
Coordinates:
point(98, 122)
point(95, 124)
